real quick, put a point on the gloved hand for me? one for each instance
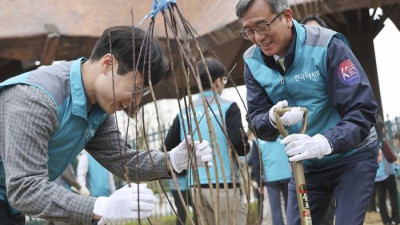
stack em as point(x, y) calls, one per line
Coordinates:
point(84, 191)
point(301, 146)
point(122, 205)
point(289, 118)
point(179, 156)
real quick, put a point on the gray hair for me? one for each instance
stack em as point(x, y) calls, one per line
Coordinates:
point(277, 6)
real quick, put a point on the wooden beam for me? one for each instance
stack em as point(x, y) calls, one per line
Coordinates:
point(51, 45)
point(332, 23)
point(359, 19)
point(387, 11)
point(297, 14)
point(330, 6)
point(343, 18)
point(375, 3)
point(4, 62)
point(395, 17)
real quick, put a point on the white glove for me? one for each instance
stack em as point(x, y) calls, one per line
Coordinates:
point(301, 146)
point(179, 156)
point(84, 191)
point(122, 205)
point(289, 118)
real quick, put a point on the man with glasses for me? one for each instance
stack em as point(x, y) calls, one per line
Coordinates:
point(50, 114)
point(302, 66)
point(225, 147)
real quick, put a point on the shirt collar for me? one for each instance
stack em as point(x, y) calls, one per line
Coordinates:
point(78, 95)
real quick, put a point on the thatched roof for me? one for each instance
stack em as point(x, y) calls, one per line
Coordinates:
point(48, 30)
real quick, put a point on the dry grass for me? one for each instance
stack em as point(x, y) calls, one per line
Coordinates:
point(372, 218)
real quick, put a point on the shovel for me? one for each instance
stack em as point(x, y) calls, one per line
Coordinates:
point(297, 166)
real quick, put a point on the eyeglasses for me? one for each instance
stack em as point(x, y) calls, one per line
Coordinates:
point(143, 91)
point(262, 29)
point(146, 91)
point(224, 80)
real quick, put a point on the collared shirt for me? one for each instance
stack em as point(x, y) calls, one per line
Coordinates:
point(354, 103)
point(28, 119)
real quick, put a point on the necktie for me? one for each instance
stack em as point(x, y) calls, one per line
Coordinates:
point(281, 62)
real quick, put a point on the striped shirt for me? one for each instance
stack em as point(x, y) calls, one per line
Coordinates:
point(28, 119)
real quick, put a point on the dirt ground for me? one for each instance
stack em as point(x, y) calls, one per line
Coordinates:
point(372, 218)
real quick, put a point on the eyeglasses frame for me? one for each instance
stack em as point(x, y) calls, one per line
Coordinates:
point(244, 35)
point(143, 90)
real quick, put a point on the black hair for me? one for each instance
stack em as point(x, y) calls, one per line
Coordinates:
point(317, 19)
point(121, 41)
point(215, 68)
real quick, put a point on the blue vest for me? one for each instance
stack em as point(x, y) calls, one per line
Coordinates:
point(182, 182)
point(274, 160)
point(385, 168)
point(215, 171)
point(63, 84)
point(303, 83)
point(99, 184)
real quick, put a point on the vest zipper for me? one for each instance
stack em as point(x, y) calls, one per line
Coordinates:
point(283, 87)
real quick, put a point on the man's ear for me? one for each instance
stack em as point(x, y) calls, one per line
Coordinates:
point(218, 83)
point(107, 63)
point(288, 14)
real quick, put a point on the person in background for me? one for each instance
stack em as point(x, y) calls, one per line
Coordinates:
point(385, 181)
point(275, 179)
point(235, 141)
point(70, 182)
point(396, 140)
point(182, 179)
point(48, 115)
point(254, 161)
point(313, 20)
point(94, 176)
point(291, 65)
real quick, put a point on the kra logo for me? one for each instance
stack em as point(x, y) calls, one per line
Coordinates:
point(348, 73)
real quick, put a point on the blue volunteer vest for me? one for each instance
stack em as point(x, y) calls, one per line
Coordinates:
point(182, 182)
point(63, 84)
point(99, 184)
point(385, 168)
point(224, 161)
point(274, 160)
point(303, 83)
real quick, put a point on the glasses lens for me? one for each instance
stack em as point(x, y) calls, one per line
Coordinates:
point(142, 91)
point(146, 91)
point(263, 29)
point(224, 80)
point(244, 34)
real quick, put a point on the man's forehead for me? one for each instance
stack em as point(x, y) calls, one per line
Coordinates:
point(260, 21)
